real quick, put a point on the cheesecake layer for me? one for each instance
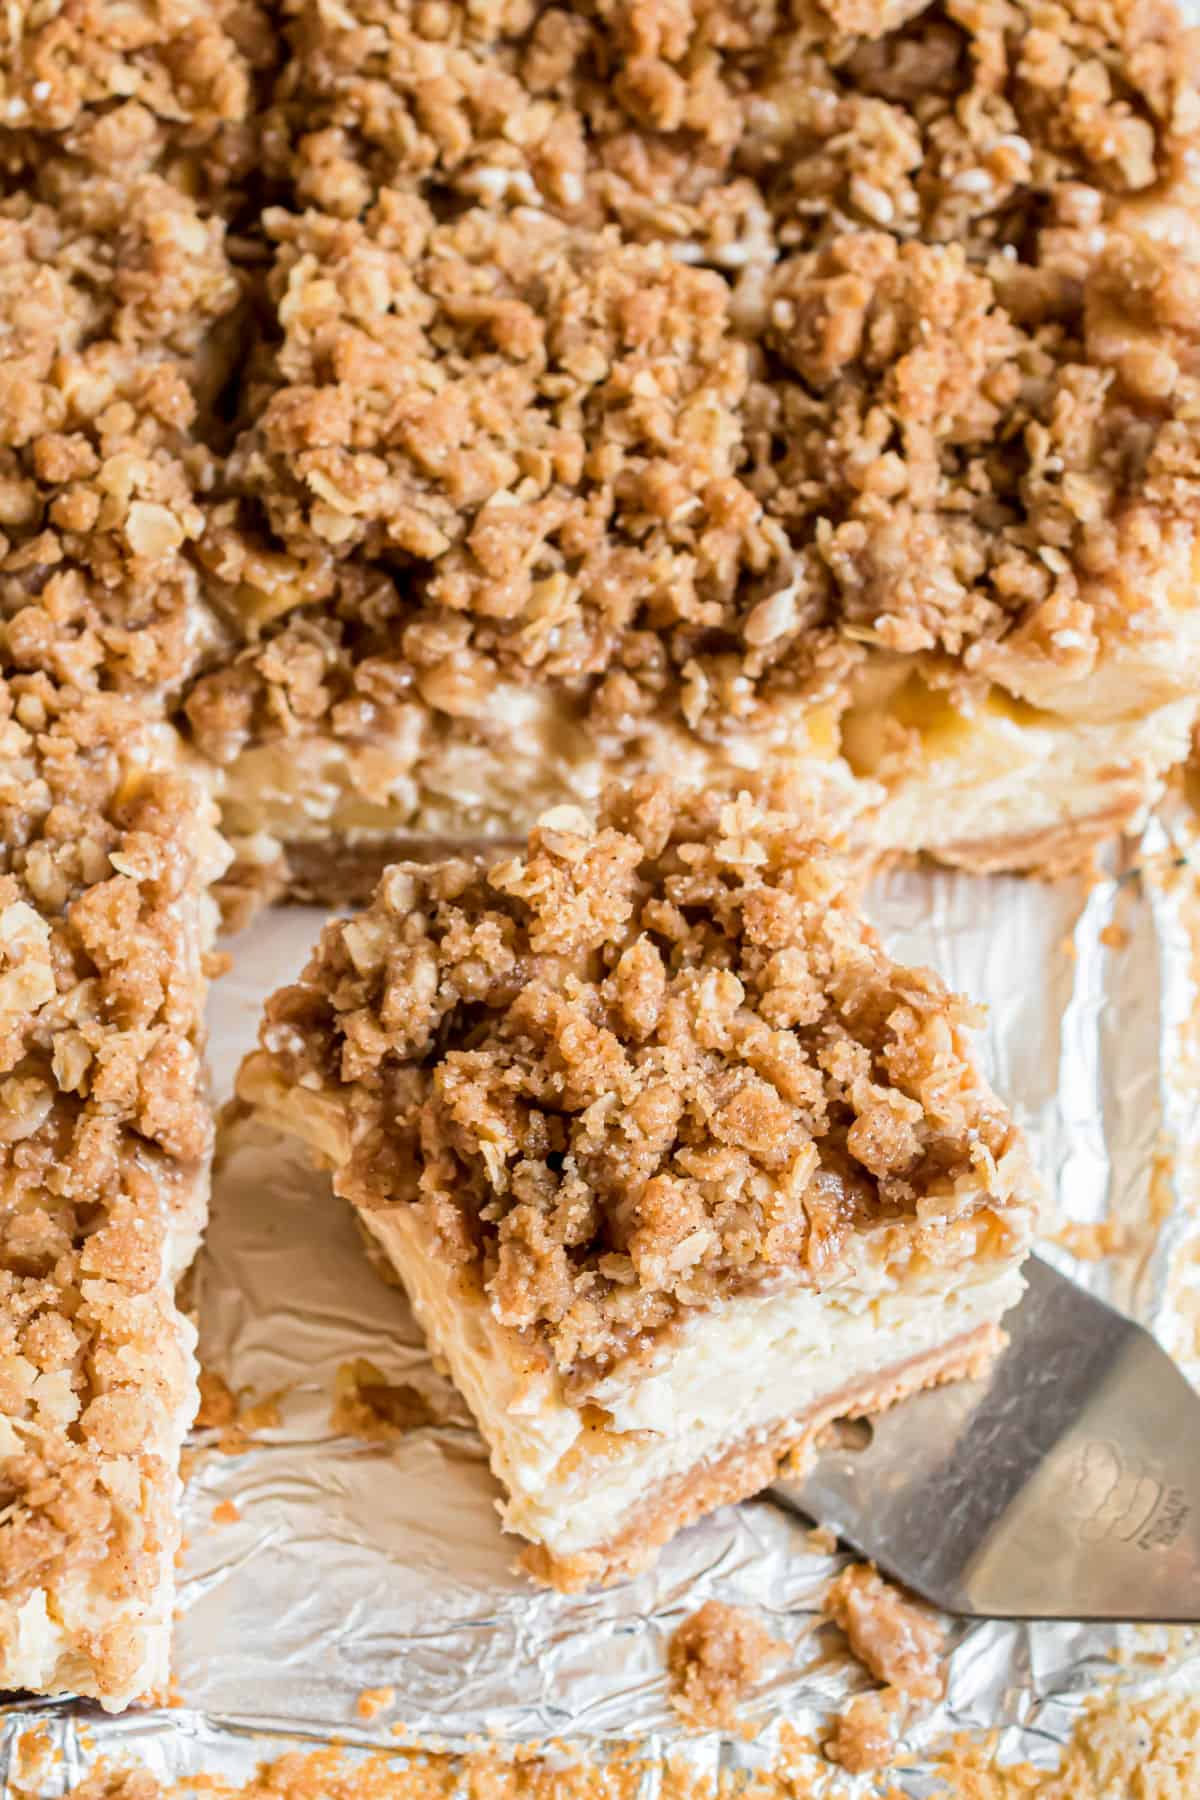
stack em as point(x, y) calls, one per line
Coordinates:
point(1002, 786)
point(756, 1372)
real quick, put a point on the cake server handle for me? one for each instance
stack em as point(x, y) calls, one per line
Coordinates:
point(1065, 1484)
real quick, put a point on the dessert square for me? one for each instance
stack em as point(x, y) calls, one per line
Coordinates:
point(108, 848)
point(675, 1163)
point(120, 314)
point(711, 391)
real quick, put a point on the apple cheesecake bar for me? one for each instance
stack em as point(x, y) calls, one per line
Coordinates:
point(675, 1164)
point(699, 390)
point(107, 850)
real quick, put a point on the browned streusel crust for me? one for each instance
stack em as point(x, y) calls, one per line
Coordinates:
point(931, 393)
point(104, 1137)
point(646, 1065)
point(119, 312)
point(170, 86)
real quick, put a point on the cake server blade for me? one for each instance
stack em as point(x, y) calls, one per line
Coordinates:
point(1065, 1484)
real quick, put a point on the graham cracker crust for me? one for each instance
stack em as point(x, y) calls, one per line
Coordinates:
point(751, 1464)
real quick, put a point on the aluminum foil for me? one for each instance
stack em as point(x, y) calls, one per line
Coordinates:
point(319, 1565)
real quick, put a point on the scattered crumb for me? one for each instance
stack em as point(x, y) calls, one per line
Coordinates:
point(863, 1736)
point(714, 1658)
point(821, 1541)
point(218, 1405)
point(372, 1701)
point(1092, 1242)
point(261, 1415)
point(1121, 1749)
point(36, 1755)
point(898, 1640)
point(1070, 949)
point(366, 1405)
point(225, 1513)
point(1115, 936)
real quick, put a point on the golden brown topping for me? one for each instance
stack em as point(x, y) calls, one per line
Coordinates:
point(165, 84)
point(104, 1131)
point(118, 314)
point(643, 1065)
point(897, 1639)
point(714, 1659)
point(682, 352)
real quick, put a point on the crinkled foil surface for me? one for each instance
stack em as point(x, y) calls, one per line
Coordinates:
point(341, 1565)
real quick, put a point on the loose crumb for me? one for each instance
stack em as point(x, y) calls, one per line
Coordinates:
point(821, 1541)
point(372, 1701)
point(898, 1640)
point(863, 1736)
point(222, 1411)
point(1092, 1242)
point(218, 1404)
point(366, 1405)
point(713, 1660)
point(225, 1513)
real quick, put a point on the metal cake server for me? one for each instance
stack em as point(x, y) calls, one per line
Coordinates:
point(1063, 1485)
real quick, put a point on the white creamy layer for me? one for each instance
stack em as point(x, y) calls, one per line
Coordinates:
point(1008, 771)
point(440, 777)
point(729, 1374)
point(1007, 779)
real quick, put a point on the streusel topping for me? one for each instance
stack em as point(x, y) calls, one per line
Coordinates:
point(119, 319)
point(681, 354)
point(104, 1133)
point(171, 86)
point(645, 1066)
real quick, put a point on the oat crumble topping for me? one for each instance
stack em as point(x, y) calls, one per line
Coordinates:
point(119, 318)
point(644, 1066)
point(682, 353)
point(104, 1137)
point(119, 89)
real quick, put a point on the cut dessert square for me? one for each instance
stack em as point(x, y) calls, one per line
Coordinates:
point(675, 1164)
point(107, 852)
point(686, 390)
point(120, 311)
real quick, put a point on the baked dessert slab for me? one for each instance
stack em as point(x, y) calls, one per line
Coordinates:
point(109, 847)
point(698, 390)
point(675, 1165)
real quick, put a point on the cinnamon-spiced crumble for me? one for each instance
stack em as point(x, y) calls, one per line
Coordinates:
point(691, 358)
point(104, 1140)
point(115, 90)
point(644, 1067)
point(119, 316)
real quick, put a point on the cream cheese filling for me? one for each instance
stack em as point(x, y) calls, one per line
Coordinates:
point(902, 770)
